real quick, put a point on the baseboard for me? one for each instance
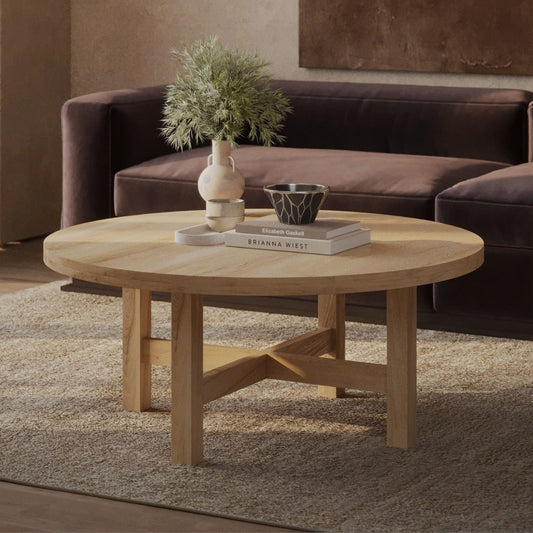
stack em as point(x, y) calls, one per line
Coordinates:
point(307, 307)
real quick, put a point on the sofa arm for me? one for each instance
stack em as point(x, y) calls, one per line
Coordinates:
point(498, 206)
point(103, 133)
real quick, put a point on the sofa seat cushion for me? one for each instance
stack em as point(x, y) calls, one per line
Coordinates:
point(498, 206)
point(360, 181)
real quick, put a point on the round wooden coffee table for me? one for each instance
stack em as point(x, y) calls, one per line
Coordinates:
point(138, 253)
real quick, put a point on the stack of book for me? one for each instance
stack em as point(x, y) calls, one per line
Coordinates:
point(326, 236)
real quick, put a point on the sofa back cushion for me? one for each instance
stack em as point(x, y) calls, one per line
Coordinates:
point(489, 124)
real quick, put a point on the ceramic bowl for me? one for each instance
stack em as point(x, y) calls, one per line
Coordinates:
point(225, 207)
point(296, 203)
point(223, 223)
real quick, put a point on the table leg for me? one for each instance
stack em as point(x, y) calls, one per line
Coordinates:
point(187, 378)
point(332, 314)
point(401, 367)
point(136, 368)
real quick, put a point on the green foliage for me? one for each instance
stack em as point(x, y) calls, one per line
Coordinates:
point(221, 94)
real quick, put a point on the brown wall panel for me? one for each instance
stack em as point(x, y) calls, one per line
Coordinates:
point(462, 36)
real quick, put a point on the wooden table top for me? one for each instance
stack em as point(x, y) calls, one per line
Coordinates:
point(140, 252)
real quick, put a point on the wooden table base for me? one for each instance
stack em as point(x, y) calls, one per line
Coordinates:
point(140, 250)
point(202, 373)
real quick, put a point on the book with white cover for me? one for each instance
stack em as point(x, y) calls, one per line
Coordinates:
point(321, 228)
point(296, 244)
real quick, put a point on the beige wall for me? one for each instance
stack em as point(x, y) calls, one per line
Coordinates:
point(1, 144)
point(53, 49)
point(35, 81)
point(126, 43)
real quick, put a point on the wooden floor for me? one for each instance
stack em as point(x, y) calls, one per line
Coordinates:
point(22, 267)
point(25, 508)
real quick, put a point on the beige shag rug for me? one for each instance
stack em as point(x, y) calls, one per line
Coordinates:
point(274, 452)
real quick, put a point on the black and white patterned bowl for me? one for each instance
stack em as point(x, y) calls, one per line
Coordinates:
point(296, 203)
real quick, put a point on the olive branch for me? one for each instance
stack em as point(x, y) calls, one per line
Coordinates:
point(221, 94)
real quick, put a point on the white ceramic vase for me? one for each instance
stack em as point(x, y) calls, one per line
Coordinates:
point(220, 179)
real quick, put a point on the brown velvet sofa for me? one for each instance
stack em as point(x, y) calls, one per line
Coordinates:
point(456, 155)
